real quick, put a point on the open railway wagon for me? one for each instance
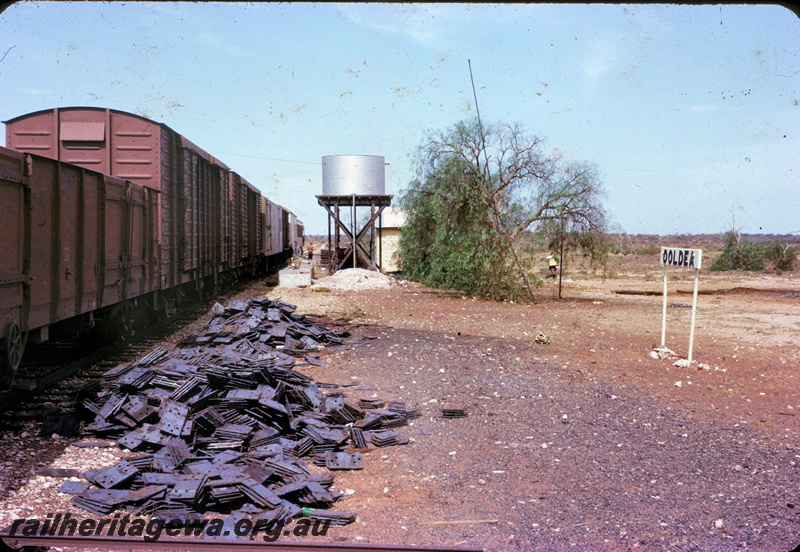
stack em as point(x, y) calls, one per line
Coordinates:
point(77, 246)
point(211, 225)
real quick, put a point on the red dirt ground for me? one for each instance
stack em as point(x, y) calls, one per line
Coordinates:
point(585, 443)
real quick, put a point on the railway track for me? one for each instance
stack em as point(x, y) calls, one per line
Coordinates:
point(215, 545)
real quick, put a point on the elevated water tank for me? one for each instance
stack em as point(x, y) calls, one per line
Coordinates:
point(353, 174)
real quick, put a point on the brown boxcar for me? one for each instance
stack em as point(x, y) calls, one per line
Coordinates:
point(75, 242)
point(209, 221)
point(211, 224)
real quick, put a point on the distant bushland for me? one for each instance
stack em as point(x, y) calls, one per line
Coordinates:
point(739, 253)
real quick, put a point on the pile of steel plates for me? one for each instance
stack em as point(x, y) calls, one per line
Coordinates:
point(226, 424)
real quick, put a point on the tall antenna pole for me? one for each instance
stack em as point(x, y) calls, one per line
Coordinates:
point(488, 176)
point(478, 111)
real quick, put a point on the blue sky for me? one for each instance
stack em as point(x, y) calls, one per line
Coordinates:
point(690, 112)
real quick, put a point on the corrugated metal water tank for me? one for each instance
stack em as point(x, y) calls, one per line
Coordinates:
point(353, 174)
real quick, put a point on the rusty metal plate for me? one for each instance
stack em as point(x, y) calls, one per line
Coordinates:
point(113, 476)
point(343, 461)
point(173, 416)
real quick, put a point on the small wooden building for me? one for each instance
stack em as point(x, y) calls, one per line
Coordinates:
point(392, 221)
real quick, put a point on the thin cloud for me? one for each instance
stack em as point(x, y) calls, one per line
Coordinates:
point(431, 25)
point(603, 56)
point(35, 91)
point(704, 108)
point(418, 23)
point(217, 42)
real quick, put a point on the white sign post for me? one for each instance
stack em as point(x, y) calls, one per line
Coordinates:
point(688, 258)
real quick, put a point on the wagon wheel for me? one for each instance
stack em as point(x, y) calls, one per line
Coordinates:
point(128, 321)
point(168, 306)
point(13, 347)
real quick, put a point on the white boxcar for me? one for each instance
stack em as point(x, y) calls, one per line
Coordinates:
point(274, 228)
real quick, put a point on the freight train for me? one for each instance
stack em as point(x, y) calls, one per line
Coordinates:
point(110, 220)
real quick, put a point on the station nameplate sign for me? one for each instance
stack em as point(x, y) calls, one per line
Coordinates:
point(676, 256)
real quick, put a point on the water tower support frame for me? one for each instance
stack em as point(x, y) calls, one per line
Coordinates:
point(376, 204)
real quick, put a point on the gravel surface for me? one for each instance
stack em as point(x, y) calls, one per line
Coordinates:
point(587, 442)
point(354, 279)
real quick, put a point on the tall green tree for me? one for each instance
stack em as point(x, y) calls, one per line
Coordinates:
point(476, 190)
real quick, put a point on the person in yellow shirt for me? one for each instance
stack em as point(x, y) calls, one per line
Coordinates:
point(552, 263)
